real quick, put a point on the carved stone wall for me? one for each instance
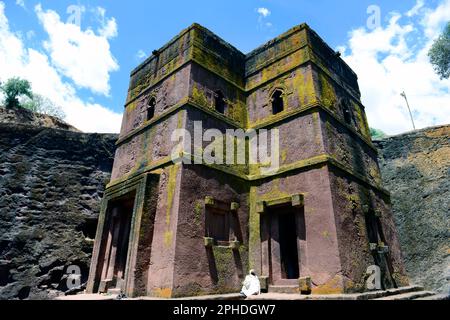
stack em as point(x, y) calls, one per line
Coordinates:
point(51, 185)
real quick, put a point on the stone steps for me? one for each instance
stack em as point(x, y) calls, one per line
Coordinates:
point(409, 296)
point(114, 291)
point(372, 295)
point(283, 289)
point(88, 296)
point(290, 292)
point(293, 289)
point(403, 293)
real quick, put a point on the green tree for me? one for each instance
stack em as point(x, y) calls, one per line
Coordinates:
point(439, 54)
point(377, 134)
point(41, 104)
point(15, 88)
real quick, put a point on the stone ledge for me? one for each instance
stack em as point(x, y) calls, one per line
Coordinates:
point(410, 292)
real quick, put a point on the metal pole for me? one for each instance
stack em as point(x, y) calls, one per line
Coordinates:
point(403, 94)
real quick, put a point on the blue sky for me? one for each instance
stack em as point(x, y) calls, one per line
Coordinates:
point(115, 36)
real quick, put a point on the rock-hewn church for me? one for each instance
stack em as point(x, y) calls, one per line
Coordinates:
point(171, 229)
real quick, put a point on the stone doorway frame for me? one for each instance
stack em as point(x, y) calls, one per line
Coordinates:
point(296, 201)
point(137, 185)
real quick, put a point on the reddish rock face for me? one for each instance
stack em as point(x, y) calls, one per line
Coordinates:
point(179, 229)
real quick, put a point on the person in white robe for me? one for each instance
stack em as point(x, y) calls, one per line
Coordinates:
point(251, 285)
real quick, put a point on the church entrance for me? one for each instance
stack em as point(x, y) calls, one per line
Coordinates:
point(115, 249)
point(288, 246)
point(283, 242)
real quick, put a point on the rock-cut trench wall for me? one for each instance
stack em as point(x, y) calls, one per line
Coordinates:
point(51, 184)
point(416, 170)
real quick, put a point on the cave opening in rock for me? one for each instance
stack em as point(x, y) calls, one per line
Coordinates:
point(24, 293)
point(88, 228)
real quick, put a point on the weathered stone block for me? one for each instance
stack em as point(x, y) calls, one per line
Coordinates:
point(304, 285)
point(209, 201)
point(208, 242)
point(260, 207)
point(297, 200)
point(264, 283)
point(235, 245)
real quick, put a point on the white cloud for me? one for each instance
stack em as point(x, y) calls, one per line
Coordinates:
point(30, 34)
point(141, 55)
point(388, 62)
point(108, 28)
point(21, 3)
point(263, 11)
point(18, 60)
point(432, 20)
point(415, 10)
point(100, 11)
point(82, 56)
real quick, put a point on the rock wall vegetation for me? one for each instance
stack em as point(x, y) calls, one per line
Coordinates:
point(416, 170)
point(51, 183)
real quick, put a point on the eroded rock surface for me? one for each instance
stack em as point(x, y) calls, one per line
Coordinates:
point(51, 184)
point(416, 170)
point(24, 116)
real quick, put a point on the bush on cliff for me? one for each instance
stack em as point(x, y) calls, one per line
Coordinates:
point(15, 88)
point(377, 134)
point(439, 54)
point(18, 93)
